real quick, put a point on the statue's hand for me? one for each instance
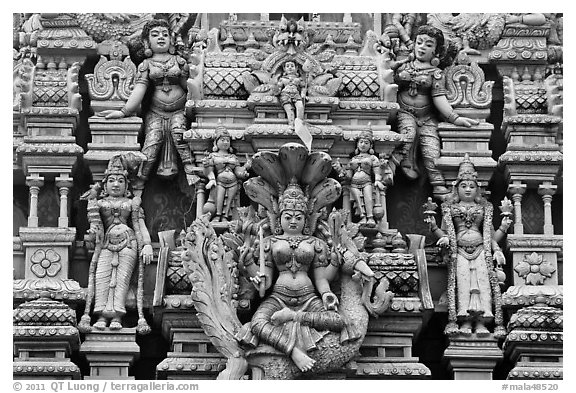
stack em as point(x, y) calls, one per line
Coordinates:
point(379, 185)
point(505, 224)
point(362, 267)
point(147, 254)
point(499, 258)
point(431, 221)
point(210, 184)
point(466, 122)
point(257, 279)
point(111, 114)
point(330, 301)
point(444, 241)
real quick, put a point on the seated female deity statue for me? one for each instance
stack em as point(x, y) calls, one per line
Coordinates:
point(302, 308)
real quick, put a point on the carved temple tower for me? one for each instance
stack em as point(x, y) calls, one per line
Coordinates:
point(133, 138)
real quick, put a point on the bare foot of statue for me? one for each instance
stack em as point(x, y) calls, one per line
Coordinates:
point(302, 360)
point(481, 330)
point(282, 316)
point(466, 328)
point(100, 324)
point(115, 324)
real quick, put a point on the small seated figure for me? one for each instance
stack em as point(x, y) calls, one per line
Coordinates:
point(364, 172)
point(293, 318)
point(292, 92)
point(223, 171)
point(474, 298)
point(122, 240)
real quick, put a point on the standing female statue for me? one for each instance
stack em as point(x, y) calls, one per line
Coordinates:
point(165, 73)
point(118, 229)
point(473, 290)
point(223, 171)
point(421, 96)
point(364, 166)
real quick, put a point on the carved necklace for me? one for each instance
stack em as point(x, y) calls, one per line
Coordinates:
point(415, 77)
point(294, 243)
point(165, 67)
point(468, 213)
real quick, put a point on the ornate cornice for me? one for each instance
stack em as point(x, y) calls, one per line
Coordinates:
point(541, 157)
point(535, 241)
point(392, 369)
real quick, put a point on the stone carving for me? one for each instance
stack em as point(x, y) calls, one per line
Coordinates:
point(224, 172)
point(471, 32)
point(113, 78)
point(421, 90)
point(313, 334)
point(534, 269)
point(473, 292)
point(122, 245)
point(45, 263)
point(366, 179)
point(166, 74)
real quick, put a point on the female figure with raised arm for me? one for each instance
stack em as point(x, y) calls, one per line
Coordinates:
point(422, 97)
point(474, 298)
point(166, 74)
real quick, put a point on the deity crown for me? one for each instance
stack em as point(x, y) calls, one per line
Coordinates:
point(221, 131)
point(293, 198)
point(466, 171)
point(367, 134)
point(116, 167)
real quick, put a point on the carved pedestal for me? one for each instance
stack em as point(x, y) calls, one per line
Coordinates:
point(472, 357)
point(457, 141)
point(110, 353)
point(535, 343)
point(109, 138)
point(386, 352)
point(192, 355)
point(44, 335)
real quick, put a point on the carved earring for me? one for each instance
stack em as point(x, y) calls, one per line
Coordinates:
point(214, 147)
point(371, 151)
point(435, 61)
point(147, 50)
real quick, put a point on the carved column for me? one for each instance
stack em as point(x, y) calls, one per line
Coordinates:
point(547, 190)
point(517, 190)
point(63, 183)
point(34, 182)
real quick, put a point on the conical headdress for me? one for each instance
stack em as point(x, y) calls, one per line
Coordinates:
point(116, 167)
point(293, 198)
point(467, 171)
